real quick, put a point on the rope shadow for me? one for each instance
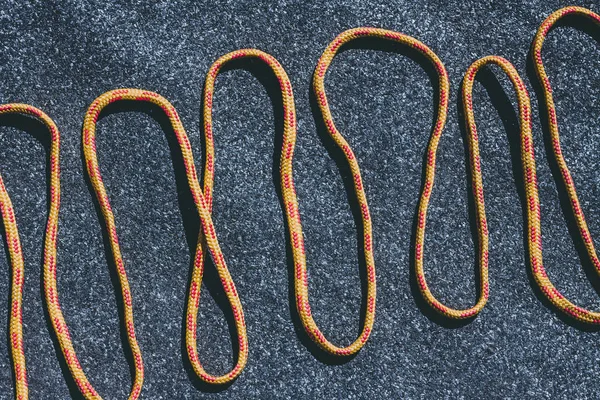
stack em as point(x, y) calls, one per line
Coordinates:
point(387, 46)
point(502, 103)
point(510, 124)
point(264, 74)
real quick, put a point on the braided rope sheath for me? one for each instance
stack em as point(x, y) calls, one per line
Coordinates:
point(530, 180)
point(289, 141)
point(371, 288)
point(292, 216)
point(202, 195)
point(319, 89)
point(529, 169)
point(539, 272)
point(15, 331)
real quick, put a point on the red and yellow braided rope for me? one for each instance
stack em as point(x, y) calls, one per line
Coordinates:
point(443, 83)
point(209, 237)
point(292, 216)
point(15, 331)
point(533, 230)
point(555, 297)
point(528, 165)
point(528, 162)
point(203, 200)
point(202, 196)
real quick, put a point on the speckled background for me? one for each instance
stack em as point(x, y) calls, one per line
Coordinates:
point(60, 55)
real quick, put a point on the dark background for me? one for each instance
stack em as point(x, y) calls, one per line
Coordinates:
point(60, 55)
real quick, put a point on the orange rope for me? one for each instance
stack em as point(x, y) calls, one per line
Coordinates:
point(209, 236)
point(203, 200)
point(15, 331)
point(292, 216)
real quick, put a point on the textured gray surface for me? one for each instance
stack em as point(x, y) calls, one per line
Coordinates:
point(60, 55)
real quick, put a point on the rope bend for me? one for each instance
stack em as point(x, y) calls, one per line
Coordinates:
point(289, 140)
point(319, 89)
point(541, 278)
point(15, 331)
point(531, 191)
point(533, 229)
point(443, 84)
point(291, 209)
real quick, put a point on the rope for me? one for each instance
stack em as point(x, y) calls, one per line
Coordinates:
point(541, 278)
point(15, 331)
point(533, 230)
point(291, 210)
point(529, 169)
point(203, 198)
point(209, 237)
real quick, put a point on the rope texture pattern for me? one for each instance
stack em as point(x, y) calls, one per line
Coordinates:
point(203, 199)
point(533, 232)
point(528, 166)
point(208, 236)
point(293, 220)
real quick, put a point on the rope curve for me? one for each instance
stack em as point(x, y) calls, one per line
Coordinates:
point(291, 209)
point(541, 278)
point(529, 169)
point(319, 88)
point(203, 198)
point(15, 331)
point(289, 140)
point(533, 229)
